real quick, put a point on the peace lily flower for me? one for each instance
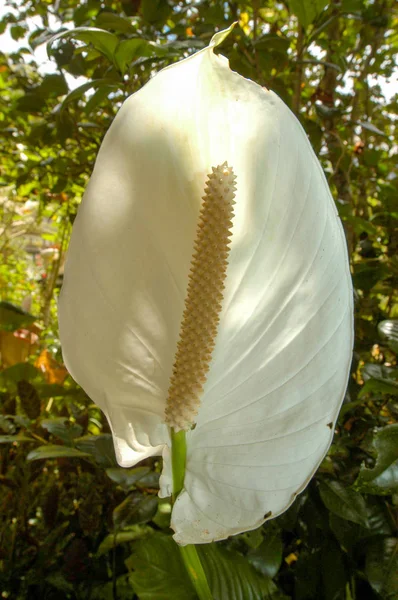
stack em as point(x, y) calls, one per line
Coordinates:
point(235, 327)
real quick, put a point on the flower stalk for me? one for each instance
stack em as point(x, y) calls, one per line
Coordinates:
point(189, 553)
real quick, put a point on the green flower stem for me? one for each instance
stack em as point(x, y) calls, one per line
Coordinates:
point(178, 458)
point(195, 571)
point(189, 553)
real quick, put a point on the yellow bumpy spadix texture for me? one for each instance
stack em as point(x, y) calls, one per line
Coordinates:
point(203, 300)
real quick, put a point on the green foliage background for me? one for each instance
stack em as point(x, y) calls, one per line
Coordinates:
point(73, 524)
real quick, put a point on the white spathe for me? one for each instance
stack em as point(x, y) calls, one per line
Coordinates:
point(281, 363)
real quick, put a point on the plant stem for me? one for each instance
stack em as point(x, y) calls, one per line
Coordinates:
point(178, 457)
point(188, 553)
point(195, 571)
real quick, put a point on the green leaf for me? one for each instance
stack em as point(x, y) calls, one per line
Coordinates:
point(382, 567)
point(62, 428)
point(78, 92)
point(29, 397)
point(108, 20)
point(334, 577)
point(159, 573)
point(136, 508)
point(383, 477)
point(155, 11)
point(388, 330)
point(307, 10)
point(104, 41)
point(343, 502)
point(231, 576)
point(372, 128)
point(124, 591)
point(100, 447)
point(12, 317)
point(10, 439)
point(53, 85)
point(126, 478)
point(135, 532)
point(129, 50)
point(378, 387)
point(267, 558)
point(53, 451)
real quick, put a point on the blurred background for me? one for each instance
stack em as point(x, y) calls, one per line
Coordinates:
point(73, 524)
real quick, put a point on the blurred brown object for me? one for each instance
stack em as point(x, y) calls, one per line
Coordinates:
point(17, 346)
point(53, 371)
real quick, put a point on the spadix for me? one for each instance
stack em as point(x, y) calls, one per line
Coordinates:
point(280, 349)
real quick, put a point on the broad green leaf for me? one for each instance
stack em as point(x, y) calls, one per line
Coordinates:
point(136, 508)
point(372, 128)
point(124, 590)
point(53, 451)
point(100, 447)
point(78, 92)
point(344, 502)
point(383, 477)
point(30, 400)
point(108, 20)
point(53, 85)
point(12, 317)
point(388, 330)
point(382, 567)
point(129, 50)
point(231, 576)
point(62, 428)
point(334, 576)
point(267, 558)
point(155, 11)
point(307, 10)
point(19, 372)
point(379, 387)
point(135, 532)
point(104, 41)
point(10, 439)
point(159, 573)
point(126, 478)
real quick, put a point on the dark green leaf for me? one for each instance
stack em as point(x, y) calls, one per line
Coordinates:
point(159, 573)
point(388, 330)
point(382, 567)
point(104, 41)
point(108, 20)
point(62, 428)
point(307, 10)
point(267, 558)
point(10, 439)
point(334, 577)
point(52, 451)
point(129, 50)
point(12, 317)
point(135, 532)
point(126, 478)
point(136, 508)
point(383, 477)
point(344, 502)
point(231, 576)
point(155, 11)
point(100, 447)
point(29, 397)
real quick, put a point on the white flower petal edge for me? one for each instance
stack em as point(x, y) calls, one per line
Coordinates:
point(283, 352)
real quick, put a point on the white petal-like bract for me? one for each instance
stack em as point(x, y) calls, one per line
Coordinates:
point(281, 362)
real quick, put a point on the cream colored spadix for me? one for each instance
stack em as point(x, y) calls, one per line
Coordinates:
point(279, 367)
point(203, 301)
